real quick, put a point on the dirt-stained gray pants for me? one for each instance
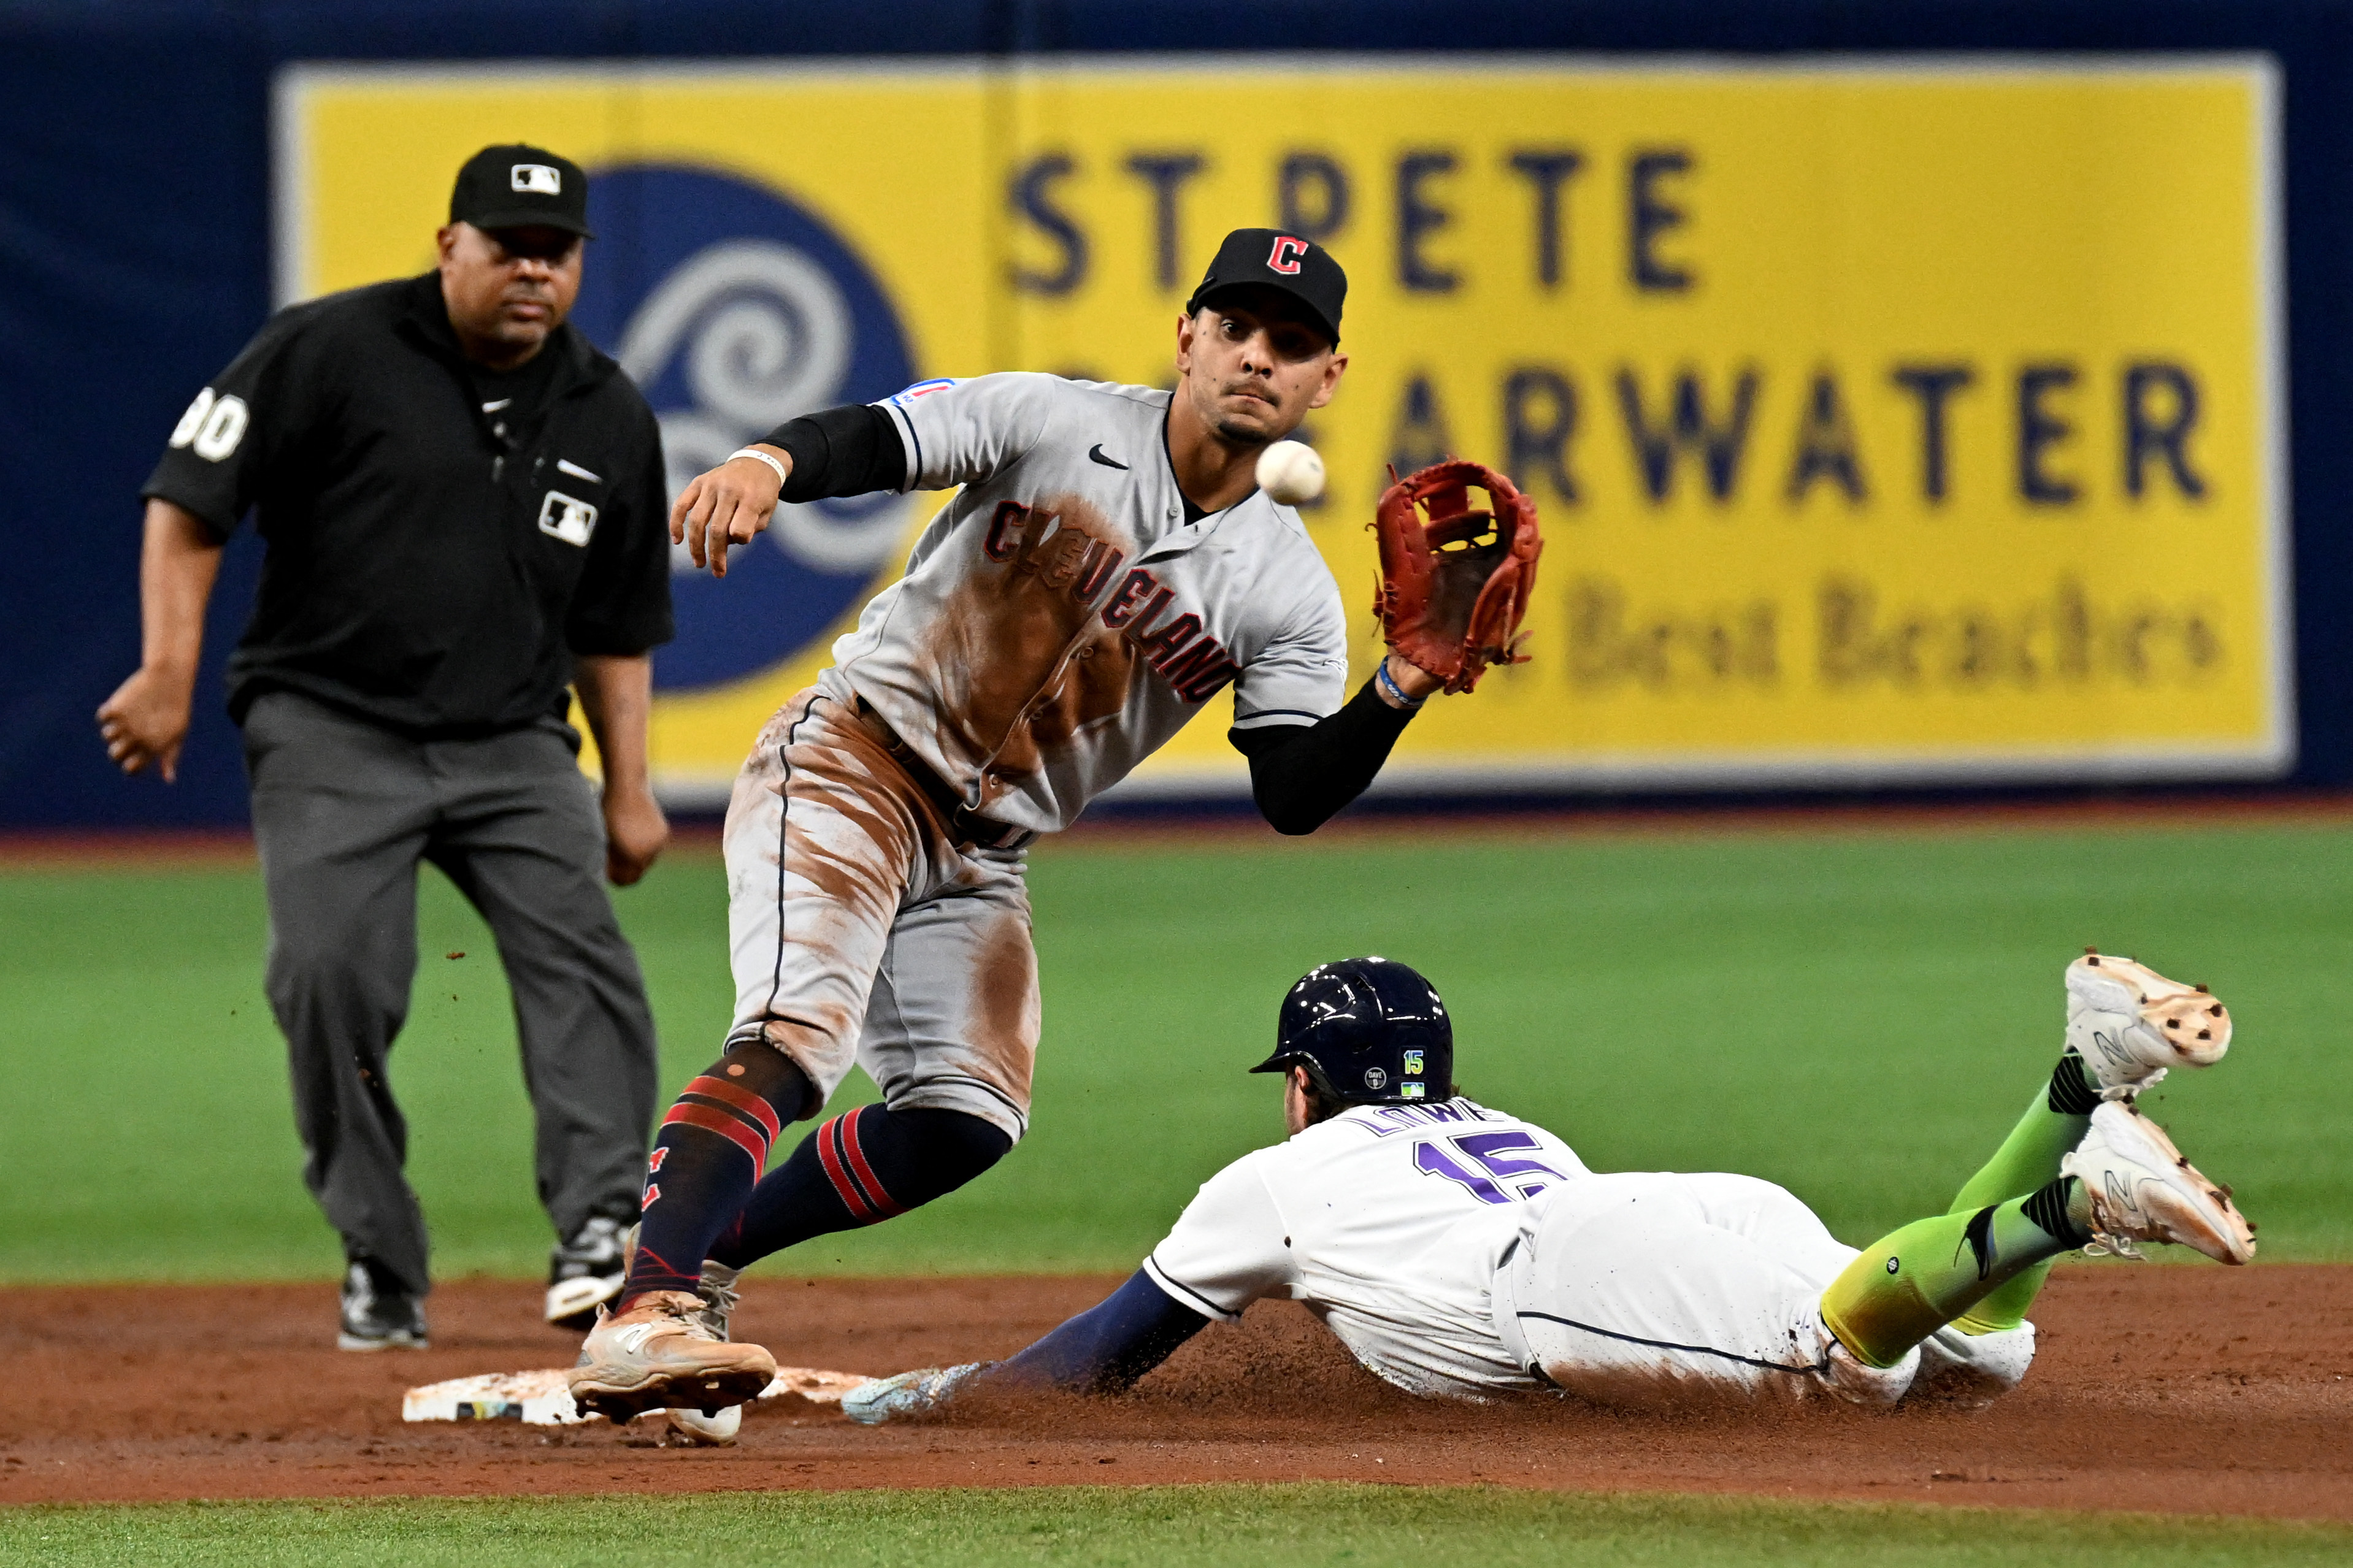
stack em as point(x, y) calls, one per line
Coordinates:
point(343, 813)
point(861, 932)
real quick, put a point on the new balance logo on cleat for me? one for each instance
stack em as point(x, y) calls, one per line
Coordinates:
point(2120, 1198)
point(2131, 1024)
point(2142, 1189)
point(2111, 1049)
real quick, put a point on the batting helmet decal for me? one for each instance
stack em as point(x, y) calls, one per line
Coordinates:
point(1369, 1031)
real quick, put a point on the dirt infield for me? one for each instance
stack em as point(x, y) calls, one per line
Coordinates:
point(2178, 1388)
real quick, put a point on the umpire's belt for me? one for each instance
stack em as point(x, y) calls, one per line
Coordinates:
point(964, 826)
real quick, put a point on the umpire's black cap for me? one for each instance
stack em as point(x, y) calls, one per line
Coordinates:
point(1369, 1031)
point(1273, 259)
point(520, 186)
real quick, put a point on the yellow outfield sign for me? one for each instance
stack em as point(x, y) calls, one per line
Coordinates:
point(1911, 421)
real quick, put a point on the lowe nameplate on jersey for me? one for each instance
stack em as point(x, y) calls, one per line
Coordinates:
point(1911, 420)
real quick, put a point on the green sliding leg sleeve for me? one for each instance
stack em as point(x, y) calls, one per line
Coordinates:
point(2053, 1124)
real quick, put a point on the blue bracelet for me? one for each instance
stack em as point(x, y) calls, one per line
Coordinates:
point(1389, 684)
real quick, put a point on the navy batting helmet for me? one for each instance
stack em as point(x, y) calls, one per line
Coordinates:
point(1369, 1031)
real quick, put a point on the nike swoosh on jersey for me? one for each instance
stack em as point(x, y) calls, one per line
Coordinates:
point(1096, 454)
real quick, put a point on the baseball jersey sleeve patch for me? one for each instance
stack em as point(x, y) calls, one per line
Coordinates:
point(907, 395)
point(973, 430)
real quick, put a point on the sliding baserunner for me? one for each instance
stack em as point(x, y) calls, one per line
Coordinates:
point(1460, 1251)
point(1107, 567)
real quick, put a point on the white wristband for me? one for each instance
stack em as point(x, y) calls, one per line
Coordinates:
point(759, 457)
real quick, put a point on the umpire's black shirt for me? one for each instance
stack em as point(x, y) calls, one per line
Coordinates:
point(431, 567)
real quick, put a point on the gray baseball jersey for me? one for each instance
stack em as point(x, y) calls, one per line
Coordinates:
point(1060, 618)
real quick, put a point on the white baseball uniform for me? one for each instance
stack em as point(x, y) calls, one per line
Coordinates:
point(1059, 619)
point(1460, 1251)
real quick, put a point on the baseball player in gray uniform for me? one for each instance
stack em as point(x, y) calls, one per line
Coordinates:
point(1107, 565)
point(1460, 1251)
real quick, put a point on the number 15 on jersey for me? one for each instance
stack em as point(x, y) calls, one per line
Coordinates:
point(1463, 1159)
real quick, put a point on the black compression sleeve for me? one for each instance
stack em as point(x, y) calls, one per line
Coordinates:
point(1302, 773)
point(846, 451)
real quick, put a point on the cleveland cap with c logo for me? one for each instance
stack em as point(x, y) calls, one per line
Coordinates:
point(1273, 259)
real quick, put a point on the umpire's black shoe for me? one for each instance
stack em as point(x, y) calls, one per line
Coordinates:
point(378, 1311)
point(586, 1272)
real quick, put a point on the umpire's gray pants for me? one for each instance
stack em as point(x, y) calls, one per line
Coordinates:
point(343, 812)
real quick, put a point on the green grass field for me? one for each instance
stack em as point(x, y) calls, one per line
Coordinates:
point(1856, 1014)
point(1303, 1525)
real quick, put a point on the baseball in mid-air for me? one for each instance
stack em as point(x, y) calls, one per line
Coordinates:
point(1291, 472)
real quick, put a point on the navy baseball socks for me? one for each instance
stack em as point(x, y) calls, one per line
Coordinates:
point(859, 1169)
point(707, 1161)
point(705, 1196)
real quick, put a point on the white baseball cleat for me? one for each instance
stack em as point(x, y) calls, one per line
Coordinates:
point(881, 1399)
point(2130, 1024)
point(660, 1353)
point(2142, 1189)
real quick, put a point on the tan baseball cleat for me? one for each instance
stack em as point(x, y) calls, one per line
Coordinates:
point(2142, 1189)
point(2131, 1024)
point(692, 1427)
point(660, 1353)
point(720, 1297)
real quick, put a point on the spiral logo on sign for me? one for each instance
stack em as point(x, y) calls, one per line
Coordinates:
point(735, 310)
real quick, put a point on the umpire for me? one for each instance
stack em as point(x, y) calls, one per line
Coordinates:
point(464, 510)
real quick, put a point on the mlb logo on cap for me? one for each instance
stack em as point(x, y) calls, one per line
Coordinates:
point(520, 186)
